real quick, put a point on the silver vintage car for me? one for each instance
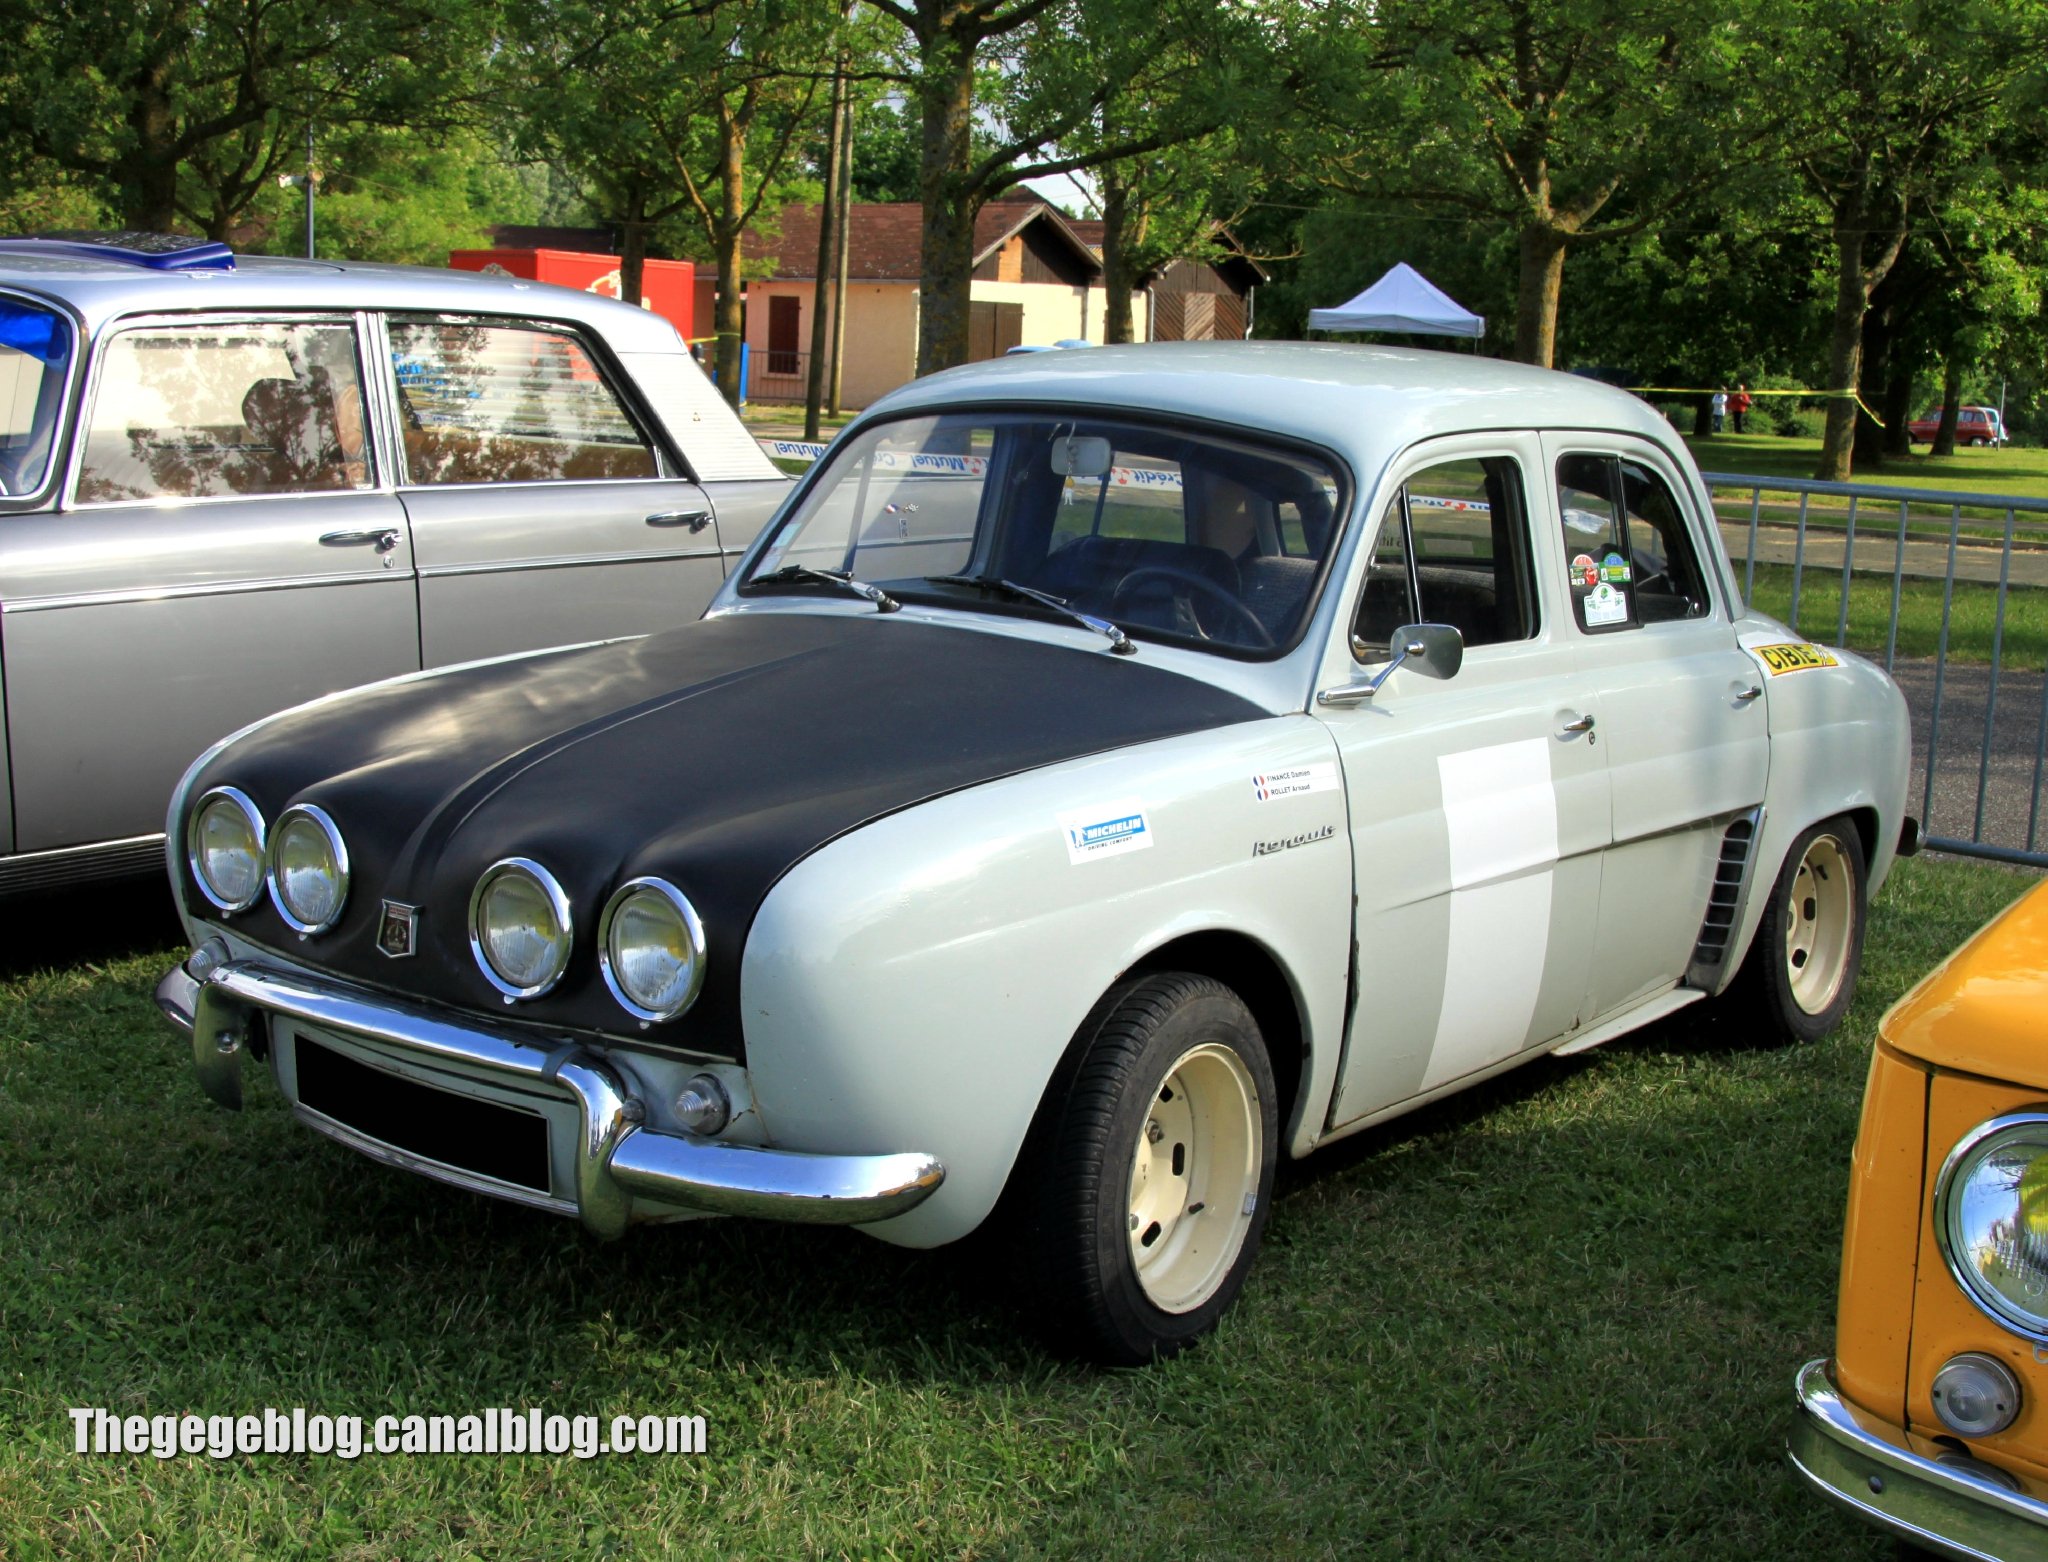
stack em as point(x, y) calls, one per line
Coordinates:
point(1111, 772)
point(229, 484)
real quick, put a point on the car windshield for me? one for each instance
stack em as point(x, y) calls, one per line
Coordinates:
point(35, 357)
point(1166, 532)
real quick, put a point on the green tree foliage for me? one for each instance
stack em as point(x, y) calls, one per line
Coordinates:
point(673, 113)
point(1571, 122)
point(184, 110)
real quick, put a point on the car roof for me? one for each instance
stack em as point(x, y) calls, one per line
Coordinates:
point(101, 290)
point(1330, 393)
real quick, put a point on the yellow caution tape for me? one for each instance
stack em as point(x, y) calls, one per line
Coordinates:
point(1711, 390)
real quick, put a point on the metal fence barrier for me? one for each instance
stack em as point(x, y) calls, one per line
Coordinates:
point(1980, 715)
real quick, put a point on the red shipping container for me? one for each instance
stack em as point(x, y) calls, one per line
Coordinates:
point(668, 287)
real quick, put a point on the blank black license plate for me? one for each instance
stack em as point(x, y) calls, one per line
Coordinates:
point(437, 1125)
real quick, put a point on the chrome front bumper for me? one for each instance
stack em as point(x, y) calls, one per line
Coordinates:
point(616, 1156)
point(1868, 1467)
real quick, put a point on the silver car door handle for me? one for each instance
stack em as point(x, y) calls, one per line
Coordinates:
point(1583, 724)
point(384, 537)
point(696, 520)
point(1754, 692)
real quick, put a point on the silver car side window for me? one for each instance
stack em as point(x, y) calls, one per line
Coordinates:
point(206, 410)
point(1453, 549)
point(509, 403)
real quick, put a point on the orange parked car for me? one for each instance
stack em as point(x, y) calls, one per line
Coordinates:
point(1931, 1419)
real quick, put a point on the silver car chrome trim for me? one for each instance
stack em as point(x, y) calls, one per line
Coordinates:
point(229, 588)
point(616, 1156)
point(1988, 1302)
point(563, 561)
point(1867, 1466)
point(440, 1171)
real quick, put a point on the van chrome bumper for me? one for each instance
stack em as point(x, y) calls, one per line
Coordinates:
point(616, 1156)
point(1867, 1466)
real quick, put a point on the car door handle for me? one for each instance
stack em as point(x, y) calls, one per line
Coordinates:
point(385, 538)
point(1583, 724)
point(696, 520)
point(1754, 691)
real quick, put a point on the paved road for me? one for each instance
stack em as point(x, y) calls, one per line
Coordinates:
point(2015, 798)
point(1879, 554)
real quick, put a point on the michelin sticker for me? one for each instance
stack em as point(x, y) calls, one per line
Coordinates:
point(1605, 605)
point(1292, 783)
point(1108, 831)
point(1794, 658)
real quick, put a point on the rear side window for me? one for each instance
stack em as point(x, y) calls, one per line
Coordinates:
point(35, 356)
point(1629, 558)
point(509, 404)
point(1453, 548)
point(204, 411)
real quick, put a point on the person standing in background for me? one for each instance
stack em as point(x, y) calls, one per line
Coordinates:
point(1739, 404)
point(1720, 408)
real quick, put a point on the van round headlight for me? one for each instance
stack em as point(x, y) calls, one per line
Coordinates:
point(224, 845)
point(1991, 1219)
point(519, 927)
point(308, 869)
point(651, 945)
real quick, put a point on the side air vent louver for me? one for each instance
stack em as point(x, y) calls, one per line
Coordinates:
point(1731, 873)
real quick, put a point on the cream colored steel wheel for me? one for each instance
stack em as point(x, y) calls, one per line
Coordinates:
point(1194, 1178)
point(1820, 924)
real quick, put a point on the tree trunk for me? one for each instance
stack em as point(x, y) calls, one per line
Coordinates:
point(1951, 404)
point(1116, 270)
point(828, 213)
point(1898, 409)
point(1542, 267)
point(148, 171)
point(1845, 354)
point(946, 257)
point(633, 249)
point(1702, 416)
point(732, 206)
point(842, 259)
point(1867, 443)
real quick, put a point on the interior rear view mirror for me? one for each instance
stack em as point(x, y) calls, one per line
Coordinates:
point(1081, 455)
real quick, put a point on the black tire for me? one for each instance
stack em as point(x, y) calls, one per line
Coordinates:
point(1800, 974)
point(1182, 1053)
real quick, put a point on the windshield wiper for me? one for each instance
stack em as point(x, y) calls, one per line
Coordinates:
point(884, 603)
point(1119, 642)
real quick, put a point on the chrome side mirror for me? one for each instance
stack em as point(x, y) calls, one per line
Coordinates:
point(1433, 650)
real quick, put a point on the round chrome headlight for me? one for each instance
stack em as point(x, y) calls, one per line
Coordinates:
point(1991, 1219)
point(224, 845)
point(651, 945)
point(519, 927)
point(308, 869)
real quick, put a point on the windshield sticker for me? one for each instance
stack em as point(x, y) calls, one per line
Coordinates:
point(1585, 572)
point(1614, 569)
point(1794, 658)
point(1108, 831)
point(1289, 842)
point(1292, 783)
point(1605, 605)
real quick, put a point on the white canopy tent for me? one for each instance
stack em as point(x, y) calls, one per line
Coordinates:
point(1402, 300)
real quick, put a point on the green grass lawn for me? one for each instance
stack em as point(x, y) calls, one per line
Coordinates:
point(2019, 471)
point(1556, 1317)
point(1973, 614)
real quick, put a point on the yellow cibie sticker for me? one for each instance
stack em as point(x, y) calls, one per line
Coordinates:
point(1794, 658)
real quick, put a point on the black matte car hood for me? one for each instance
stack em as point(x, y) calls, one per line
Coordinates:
point(717, 756)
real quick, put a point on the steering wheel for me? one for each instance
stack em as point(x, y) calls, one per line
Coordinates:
point(1199, 583)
